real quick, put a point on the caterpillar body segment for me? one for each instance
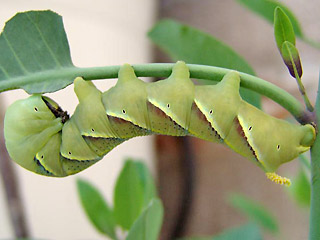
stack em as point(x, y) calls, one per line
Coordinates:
point(29, 125)
point(174, 106)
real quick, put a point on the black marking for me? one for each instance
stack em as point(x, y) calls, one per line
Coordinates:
point(124, 111)
point(69, 153)
point(42, 167)
point(118, 120)
point(210, 111)
point(36, 109)
point(278, 147)
point(250, 128)
point(243, 135)
point(92, 129)
point(164, 115)
point(203, 117)
point(168, 105)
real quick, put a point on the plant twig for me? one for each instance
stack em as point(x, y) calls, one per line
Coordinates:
point(303, 92)
point(314, 231)
point(188, 175)
point(11, 187)
point(256, 84)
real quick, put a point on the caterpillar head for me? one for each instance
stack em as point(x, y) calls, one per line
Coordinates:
point(29, 126)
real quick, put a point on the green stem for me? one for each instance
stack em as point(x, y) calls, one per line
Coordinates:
point(314, 233)
point(303, 91)
point(209, 73)
point(163, 70)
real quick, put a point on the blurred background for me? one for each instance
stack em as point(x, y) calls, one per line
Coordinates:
point(104, 32)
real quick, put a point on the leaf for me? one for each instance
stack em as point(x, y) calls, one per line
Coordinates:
point(96, 208)
point(196, 238)
point(255, 211)
point(185, 43)
point(248, 231)
point(35, 53)
point(283, 30)
point(148, 225)
point(266, 8)
point(301, 189)
point(291, 58)
point(134, 190)
point(149, 188)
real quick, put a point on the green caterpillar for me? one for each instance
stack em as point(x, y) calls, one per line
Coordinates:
point(40, 137)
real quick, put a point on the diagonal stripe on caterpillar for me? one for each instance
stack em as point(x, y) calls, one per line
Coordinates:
point(40, 137)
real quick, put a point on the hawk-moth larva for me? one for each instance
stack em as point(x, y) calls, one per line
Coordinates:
point(40, 137)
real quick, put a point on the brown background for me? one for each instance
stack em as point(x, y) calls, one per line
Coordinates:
point(218, 171)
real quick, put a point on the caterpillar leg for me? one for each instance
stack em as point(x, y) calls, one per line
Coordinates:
point(278, 179)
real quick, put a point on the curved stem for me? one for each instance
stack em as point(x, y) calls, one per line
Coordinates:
point(253, 83)
point(163, 70)
point(314, 230)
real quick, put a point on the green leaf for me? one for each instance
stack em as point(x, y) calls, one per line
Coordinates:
point(148, 225)
point(248, 231)
point(266, 8)
point(185, 43)
point(149, 187)
point(301, 189)
point(291, 58)
point(96, 208)
point(283, 30)
point(134, 190)
point(34, 53)
point(196, 238)
point(255, 211)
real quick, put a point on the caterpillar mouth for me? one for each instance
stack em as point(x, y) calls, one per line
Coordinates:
point(56, 109)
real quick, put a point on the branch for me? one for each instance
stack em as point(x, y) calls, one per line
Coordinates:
point(253, 83)
point(314, 231)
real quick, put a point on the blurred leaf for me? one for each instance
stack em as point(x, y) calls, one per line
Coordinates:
point(283, 30)
point(255, 211)
point(291, 58)
point(34, 52)
point(185, 43)
point(96, 208)
point(248, 231)
point(304, 161)
point(265, 8)
point(149, 187)
point(133, 191)
point(301, 189)
point(148, 225)
point(196, 238)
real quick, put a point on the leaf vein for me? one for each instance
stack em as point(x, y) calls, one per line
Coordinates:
point(14, 53)
point(4, 72)
point(45, 41)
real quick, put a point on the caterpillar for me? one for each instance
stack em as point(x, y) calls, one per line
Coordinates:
point(42, 138)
